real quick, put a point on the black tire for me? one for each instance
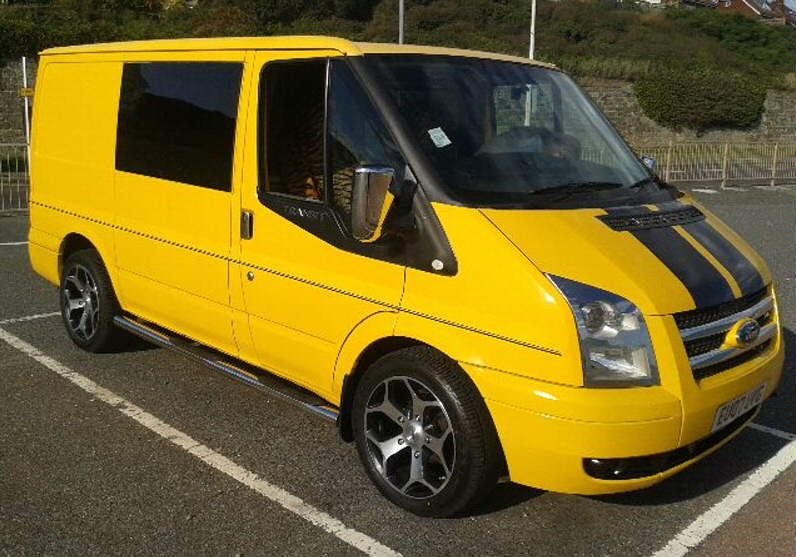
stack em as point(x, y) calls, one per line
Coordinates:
point(477, 457)
point(98, 333)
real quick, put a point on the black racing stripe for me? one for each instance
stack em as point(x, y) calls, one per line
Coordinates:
point(743, 271)
point(702, 280)
point(698, 275)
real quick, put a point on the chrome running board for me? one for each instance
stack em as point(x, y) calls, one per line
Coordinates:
point(266, 382)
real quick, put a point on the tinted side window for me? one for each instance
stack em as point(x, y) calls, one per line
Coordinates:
point(295, 99)
point(177, 121)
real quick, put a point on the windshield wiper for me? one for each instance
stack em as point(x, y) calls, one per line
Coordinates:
point(646, 182)
point(583, 186)
point(573, 188)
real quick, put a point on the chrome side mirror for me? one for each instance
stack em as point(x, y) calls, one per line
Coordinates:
point(371, 200)
point(650, 162)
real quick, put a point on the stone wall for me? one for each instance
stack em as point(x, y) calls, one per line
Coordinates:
point(12, 112)
point(618, 101)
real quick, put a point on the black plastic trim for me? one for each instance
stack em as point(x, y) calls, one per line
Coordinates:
point(659, 219)
point(321, 220)
point(700, 316)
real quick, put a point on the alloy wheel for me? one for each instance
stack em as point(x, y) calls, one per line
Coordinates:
point(80, 299)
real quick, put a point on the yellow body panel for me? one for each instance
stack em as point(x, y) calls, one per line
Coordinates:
point(73, 149)
point(582, 248)
point(371, 329)
point(306, 310)
point(305, 295)
point(504, 314)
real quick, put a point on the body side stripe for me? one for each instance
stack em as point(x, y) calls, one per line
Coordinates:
point(305, 281)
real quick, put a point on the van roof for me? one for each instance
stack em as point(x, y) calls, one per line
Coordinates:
point(297, 42)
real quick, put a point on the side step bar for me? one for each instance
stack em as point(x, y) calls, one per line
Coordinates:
point(249, 375)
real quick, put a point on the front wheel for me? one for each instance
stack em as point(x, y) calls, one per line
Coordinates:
point(424, 433)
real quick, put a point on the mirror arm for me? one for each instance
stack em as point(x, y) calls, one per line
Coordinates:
point(401, 220)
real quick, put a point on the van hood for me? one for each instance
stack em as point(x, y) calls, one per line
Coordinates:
point(664, 258)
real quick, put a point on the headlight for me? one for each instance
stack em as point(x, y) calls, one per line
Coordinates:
point(614, 341)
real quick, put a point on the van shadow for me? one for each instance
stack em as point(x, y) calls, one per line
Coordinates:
point(137, 344)
point(505, 495)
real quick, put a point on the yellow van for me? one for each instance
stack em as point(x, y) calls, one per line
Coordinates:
point(452, 254)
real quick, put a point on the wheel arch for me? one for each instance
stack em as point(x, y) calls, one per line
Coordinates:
point(371, 339)
point(370, 354)
point(75, 241)
point(72, 243)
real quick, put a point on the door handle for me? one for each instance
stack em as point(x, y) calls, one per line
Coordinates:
point(246, 225)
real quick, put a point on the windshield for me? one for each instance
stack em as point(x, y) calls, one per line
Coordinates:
point(503, 133)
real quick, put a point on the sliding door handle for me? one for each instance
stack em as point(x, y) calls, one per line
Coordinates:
point(246, 225)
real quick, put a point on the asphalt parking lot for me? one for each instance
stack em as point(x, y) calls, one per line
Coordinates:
point(145, 452)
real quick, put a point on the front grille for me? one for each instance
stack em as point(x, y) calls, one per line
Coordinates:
point(713, 342)
point(705, 344)
point(701, 316)
point(743, 357)
point(657, 219)
point(704, 331)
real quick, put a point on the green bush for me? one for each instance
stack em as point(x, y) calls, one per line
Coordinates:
point(701, 99)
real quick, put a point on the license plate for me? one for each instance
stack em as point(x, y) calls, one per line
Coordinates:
point(728, 411)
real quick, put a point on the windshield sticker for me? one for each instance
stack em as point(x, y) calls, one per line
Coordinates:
point(439, 137)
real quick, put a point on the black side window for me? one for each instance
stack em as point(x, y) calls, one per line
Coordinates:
point(177, 121)
point(357, 136)
point(295, 100)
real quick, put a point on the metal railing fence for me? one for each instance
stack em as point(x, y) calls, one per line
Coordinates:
point(14, 179)
point(724, 163)
point(678, 163)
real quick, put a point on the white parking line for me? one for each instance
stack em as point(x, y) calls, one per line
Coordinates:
point(705, 524)
point(772, 431)
point(314, 516)
point(13, 243)
point(29, 318)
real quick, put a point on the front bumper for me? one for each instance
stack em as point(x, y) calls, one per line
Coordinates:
point(547, 431)
point(642, 466)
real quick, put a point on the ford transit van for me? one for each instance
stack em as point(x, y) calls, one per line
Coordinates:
point(451, 254)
